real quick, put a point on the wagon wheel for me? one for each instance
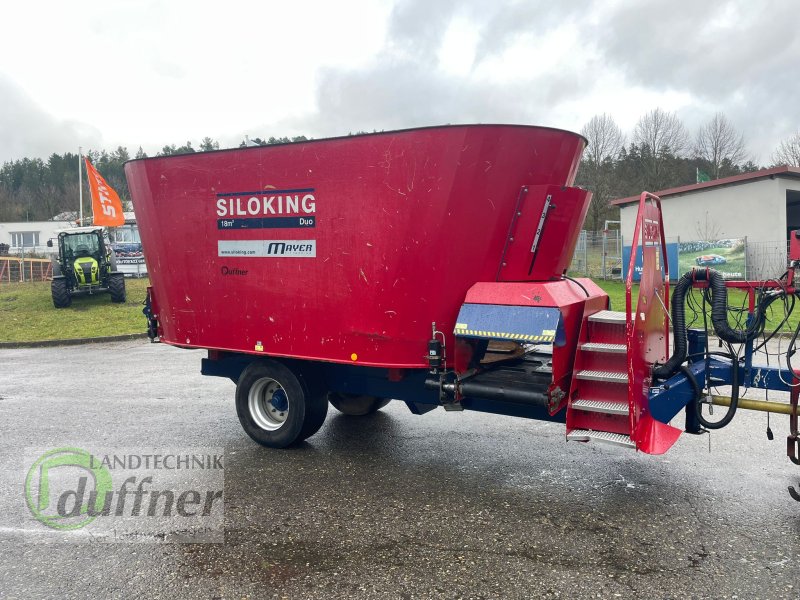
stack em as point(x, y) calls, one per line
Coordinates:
point(278, 406)
point(355, 405)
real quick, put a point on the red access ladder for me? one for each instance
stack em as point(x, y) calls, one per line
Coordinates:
point(616, 352)
point(598, 408)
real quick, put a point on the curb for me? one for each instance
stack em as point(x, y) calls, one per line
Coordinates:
point(73, 341)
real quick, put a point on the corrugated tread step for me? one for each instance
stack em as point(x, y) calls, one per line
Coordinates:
point(609, 348)
point(609, 376)
point(601, 406)
point(587, 435)
point(608, 316)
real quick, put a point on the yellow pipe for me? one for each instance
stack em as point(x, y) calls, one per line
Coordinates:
point(762, 405)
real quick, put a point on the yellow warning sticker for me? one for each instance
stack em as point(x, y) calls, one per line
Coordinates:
point(462, 326)
point(548, 337)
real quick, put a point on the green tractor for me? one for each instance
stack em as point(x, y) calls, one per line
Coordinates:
point(86, 264)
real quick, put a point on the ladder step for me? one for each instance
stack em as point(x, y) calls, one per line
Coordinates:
point(587, 435)
point(601, 406)
point(608, 316)
point(609, 348)
point(609, 376)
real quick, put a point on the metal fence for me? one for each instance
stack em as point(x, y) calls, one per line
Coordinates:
point(598, 254)
point(15, 270)
point(766, 260)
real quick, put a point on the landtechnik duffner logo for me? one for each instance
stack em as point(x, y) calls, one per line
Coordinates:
point(128, 495)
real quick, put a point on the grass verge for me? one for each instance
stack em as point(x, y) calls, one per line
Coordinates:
point(27, 313)
point(736, 299)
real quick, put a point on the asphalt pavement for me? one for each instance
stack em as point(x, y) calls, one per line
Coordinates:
point(445, 505)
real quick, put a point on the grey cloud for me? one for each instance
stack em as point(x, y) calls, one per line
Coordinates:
point(512, 20)
point(417, 26)
point(745, 67)
point(27, 130)
point(738, 57)
point(403, 86)
point(398, 93)
point(404, 94)
point(676, 44)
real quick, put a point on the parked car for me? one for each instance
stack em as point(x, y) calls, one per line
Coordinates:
point(708, 260)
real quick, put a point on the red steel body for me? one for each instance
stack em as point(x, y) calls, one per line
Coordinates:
point(385, 233)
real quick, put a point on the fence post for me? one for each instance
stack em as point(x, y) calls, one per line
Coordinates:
point(603, 259)
point(586, 254)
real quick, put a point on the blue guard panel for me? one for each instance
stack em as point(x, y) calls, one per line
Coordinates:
point(520, 323)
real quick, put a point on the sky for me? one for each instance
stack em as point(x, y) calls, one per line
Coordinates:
point(100, 74)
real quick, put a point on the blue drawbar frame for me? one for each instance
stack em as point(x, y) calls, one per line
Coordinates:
point(675, 394)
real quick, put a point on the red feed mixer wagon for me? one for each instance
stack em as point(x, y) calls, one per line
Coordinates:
point(426, 266)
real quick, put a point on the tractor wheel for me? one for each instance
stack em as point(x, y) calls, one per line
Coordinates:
point(354, 405)
point(116, 287)
point(60, 292)
point(278, 406)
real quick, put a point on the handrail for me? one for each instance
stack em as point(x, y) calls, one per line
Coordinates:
point(636, 362)
point(632, 261)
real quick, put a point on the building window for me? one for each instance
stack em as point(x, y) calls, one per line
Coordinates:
point(125, 234)
point(24, 239)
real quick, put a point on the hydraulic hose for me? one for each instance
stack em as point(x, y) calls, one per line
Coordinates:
point(719, 306)
point(731, 412)
point(679, 344)
point(719, 318)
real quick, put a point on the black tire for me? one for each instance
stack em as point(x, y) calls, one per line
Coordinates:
point(60, 292)
point(354, 405)
point(116, 287)
point(313, 382)
point(267, 386)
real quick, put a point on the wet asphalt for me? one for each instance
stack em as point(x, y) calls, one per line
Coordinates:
point(445, 505)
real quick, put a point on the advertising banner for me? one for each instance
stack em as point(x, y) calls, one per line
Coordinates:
point(130, 259)
point(672, 262)
point(728, 256)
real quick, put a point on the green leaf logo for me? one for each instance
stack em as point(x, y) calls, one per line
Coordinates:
point(52, 511)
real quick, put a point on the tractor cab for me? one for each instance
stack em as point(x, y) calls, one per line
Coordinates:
point(86, 264)
point(83, 253)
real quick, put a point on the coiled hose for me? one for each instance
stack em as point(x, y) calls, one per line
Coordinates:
point(719, 318)
point(698, 394)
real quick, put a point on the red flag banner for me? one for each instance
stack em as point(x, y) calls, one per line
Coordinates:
point(106, 205)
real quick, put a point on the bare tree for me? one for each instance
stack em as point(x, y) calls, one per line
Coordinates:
point(662, 139)
point(597, 168)
point(662, 132)
point(605, 138)
point(718, 143)
point(788, 151)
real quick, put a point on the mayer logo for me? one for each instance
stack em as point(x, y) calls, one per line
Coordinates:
point(268, 248)
point(289, 249)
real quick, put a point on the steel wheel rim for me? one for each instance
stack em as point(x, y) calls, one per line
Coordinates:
point(268, 404)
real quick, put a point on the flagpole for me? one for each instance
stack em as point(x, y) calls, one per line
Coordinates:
point(80, 183)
